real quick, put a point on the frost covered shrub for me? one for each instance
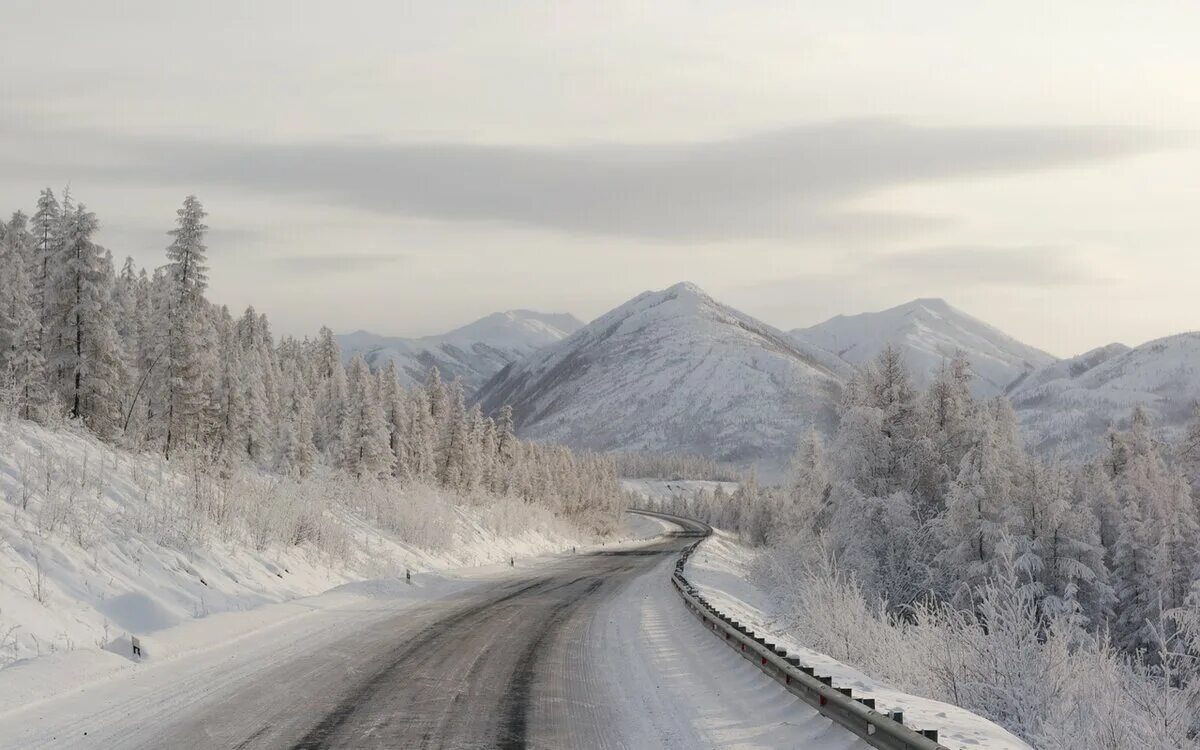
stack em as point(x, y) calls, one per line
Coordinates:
point(1038, 675)
point(417, 513)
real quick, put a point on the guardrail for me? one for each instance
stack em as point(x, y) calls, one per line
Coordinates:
point(858, 715)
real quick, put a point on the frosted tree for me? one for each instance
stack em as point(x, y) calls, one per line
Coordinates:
point(365, 448)
point(397, 417)
point(487, 454)
point(948, 414)
point(976, 502)
point(86, 350)
point(422, 437)
point(1178, 542)
point(806, 505)
point(257, 417)
point(1094, 488)
point(1189, 450)
point(1133, 579)
point(229, 428)
point(294, 449)
point(22, 365)
point(46, 229)
point(454, 452)
point(875, 443)
point(1057, 541)
point(506, 436)
point(330, 393)
point(187, 274)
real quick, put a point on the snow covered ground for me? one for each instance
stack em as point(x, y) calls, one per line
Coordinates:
point(721, 569)
point(640, 670)
point(95, 547)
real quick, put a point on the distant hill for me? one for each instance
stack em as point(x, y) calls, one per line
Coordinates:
point(928, 332)
point(1068, 406)
point(474, 352)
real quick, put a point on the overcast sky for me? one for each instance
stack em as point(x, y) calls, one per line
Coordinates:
point(408, 167)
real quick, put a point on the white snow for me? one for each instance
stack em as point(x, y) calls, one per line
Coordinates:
point(928, 332)
point(676, 372)
point(721, 569)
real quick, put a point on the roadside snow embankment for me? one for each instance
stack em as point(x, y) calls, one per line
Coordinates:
point(722, 568)
point(98, 544)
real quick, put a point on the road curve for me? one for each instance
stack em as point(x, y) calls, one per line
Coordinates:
point(474, 674)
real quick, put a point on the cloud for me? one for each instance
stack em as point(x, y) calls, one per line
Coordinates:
point(788, 183)
point(1026, 266)
point(947, 267)
point(334, 262)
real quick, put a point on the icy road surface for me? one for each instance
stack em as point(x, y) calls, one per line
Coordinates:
point(589, 651)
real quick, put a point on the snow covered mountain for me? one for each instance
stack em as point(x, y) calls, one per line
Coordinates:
point(673, 371)
point(928, 331)
point(1069, 405)
point(475, 352)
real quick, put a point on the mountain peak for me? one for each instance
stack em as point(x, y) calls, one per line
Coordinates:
point(930, 303)
point(686, 288)
point(677, 372)
point(928, 330)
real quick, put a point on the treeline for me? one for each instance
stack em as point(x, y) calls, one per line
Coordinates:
point(145, 361)
point(675, 467)
point(925, 494)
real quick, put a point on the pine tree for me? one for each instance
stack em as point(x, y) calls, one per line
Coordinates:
point(257, 417)
point(397, 419)
point(422, 437)
point(806, 506)
point(187, 274)
point(366, 452)
point(974, 521)
point(1178, 537)
point(331, 394)
point(1189, 450)
point(22, 365)
point(87, 351)
point(295, 451)
point(46, 228)
point(453, 456)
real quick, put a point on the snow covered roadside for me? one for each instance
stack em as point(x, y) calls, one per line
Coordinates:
point(721, 569)
point(98, 545)
point(172, 654)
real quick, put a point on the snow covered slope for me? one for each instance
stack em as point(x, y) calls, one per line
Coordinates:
point(928, 331)
point(475, 352)
point(673, 371)
point(97, 543)
point(1069, 405)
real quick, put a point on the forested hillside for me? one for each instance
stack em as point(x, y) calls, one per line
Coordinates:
point(142, 359)
point(924, 543)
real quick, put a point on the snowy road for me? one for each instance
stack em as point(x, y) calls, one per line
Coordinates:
point(590, 651)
